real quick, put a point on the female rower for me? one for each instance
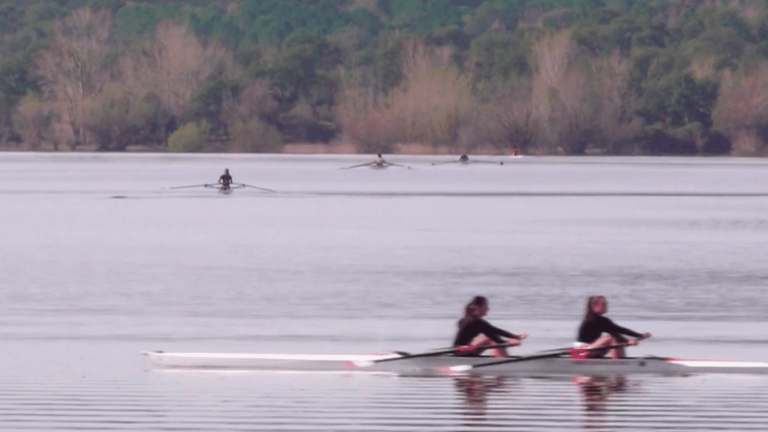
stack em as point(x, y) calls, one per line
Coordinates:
point(597, 331)
point(475, 334)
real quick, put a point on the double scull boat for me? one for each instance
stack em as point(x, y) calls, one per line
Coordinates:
point(405, 364)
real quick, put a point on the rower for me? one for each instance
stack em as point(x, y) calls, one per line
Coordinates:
point(464, 158)
point(598, 331)
point(476, 334)
point(379, 162)
point(225, 180)
point(514, 151)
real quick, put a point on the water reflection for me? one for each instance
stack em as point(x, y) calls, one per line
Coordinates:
point(475, 391)
point(596, 393)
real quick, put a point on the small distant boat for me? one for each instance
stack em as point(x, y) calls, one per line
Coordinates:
point(378, 163)
point(403, 363)
point(465, 160)
point(225, 189)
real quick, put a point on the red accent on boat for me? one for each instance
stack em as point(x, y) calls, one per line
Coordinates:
point(578, 353)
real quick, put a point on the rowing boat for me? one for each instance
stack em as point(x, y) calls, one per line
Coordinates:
point(468, 162)
point(224, 188)
point(377, 164)
point(389, 363)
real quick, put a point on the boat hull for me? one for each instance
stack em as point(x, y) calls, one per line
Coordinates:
point(443, 364)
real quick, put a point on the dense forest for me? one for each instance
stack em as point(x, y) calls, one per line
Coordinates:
point(546, 76)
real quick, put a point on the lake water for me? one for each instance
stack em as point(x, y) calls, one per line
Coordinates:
point(100, 259)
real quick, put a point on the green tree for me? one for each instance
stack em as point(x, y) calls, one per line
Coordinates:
point(610, 31)
point(136, 20)
point(678, 99)
point(115, 121)
point(301, 69)
point(498, 56)
point(11, 18)
point(388, 66)
point(188, 138)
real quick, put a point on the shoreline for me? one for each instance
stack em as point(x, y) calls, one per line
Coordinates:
point(295, 148)
point(349, 149)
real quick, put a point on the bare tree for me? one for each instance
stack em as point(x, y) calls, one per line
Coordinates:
point(248, 118)
point(509, 121)
point(369, 124)
point(616, 103)
point(76, 67)
point(433, 98)
point(428, 107)
point(742, 109)
point(174, 66)
point(32, 120)
point(557, 90)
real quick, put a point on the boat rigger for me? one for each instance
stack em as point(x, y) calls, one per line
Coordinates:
point(405, 364)
point(225, 188)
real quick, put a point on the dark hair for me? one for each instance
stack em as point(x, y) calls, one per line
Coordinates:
point(471, 311)
point(589, 313)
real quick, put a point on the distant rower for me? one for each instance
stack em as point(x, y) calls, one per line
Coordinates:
point(463, 158)
point(379, 162)
point(225, 179)
point(597, 331)
point(476, 334)
point(514, 151)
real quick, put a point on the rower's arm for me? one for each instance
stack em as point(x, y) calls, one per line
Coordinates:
point(617, 330)
point(494, 332)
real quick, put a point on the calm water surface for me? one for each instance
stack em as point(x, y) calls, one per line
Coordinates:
point(100, 259)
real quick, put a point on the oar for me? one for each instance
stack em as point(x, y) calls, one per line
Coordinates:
point(573, 351)
point(398, 165)
point(255, 187)
point(359, 165)
point(405, 356)
point(489, 162)
point(191, 186)
point(443, 163)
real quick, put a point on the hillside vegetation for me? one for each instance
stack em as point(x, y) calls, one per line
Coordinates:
point(546, 76)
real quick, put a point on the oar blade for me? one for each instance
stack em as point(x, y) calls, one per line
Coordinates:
point(358, 165)
point(189, 186)
point(255, 187)
point(398, 165)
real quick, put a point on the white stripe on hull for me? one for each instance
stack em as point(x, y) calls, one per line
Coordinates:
point(432, 365)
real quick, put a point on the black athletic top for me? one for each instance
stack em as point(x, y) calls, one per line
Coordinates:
point(225, 179)
point(594, 328)
point(477, 327)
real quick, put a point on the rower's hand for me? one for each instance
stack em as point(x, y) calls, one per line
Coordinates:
point(522, 336)
point(631, 342)
point(645, 336)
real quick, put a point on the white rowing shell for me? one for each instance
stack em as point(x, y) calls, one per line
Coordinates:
point(428, 365)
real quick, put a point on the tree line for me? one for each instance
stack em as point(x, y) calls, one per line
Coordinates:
point(545, 76)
